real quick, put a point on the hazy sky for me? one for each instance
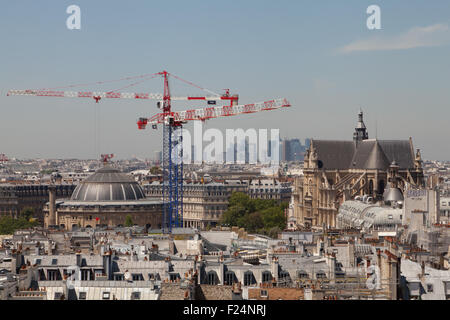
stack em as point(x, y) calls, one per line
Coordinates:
point(320, 55)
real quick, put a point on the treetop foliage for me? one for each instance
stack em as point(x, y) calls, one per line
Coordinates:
point(264, 216)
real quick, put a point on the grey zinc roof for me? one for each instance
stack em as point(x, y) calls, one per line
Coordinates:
point(108, 175)
point(399, 150)
point(65, 260)
point(369, 154)
point(363, 249)
point(110, 203)
point(108, 184)
point(334, 154)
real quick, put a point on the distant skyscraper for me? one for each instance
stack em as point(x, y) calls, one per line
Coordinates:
point(292, 150)
point(307, 143)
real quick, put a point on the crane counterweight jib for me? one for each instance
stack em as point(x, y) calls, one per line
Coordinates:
point(215, 112)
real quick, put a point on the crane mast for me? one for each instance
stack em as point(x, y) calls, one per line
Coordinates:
point(172, 165)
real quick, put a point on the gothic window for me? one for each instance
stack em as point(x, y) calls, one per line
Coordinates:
point(381, 185)
point(371, 187)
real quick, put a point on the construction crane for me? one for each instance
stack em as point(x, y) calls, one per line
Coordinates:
point(106, 157)
point(172, 122)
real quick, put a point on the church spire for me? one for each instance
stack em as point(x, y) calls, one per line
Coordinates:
point(360, 130)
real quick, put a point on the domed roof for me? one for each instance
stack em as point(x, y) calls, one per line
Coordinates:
point(108, 184)
point(392, 194)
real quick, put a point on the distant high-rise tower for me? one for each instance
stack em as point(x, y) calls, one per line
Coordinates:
point(360, 133)
point(291, 150)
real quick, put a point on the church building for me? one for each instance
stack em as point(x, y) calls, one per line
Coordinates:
point(335, 171)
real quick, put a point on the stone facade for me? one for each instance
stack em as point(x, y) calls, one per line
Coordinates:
point(15, 198)
point(71, 215)
point(335, 171)
point(104, 199)
point(205, 202)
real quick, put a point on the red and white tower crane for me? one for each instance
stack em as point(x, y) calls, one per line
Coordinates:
point(3, 158)
point(106, 157)
point(172, 122)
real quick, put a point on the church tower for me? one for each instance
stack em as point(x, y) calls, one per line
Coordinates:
point(360, 130)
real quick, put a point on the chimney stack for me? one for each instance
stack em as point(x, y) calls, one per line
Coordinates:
point(236, 291)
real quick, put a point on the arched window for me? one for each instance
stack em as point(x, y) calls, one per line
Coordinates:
point(266, 276)
point(321, 274)
point(212, 278)
point(284, 276)
point(230, 278)
point(302, 274)
point(381, 185)
point(249, 278)
point(371, 187)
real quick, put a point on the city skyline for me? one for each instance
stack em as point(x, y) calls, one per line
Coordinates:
point(295, 150)
point(328, 68)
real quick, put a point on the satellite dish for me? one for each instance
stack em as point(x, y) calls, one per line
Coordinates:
point(127, 276)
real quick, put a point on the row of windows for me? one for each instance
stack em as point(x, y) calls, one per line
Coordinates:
point(249, 278)
point(106, 295)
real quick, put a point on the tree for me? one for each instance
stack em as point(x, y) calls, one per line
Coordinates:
point(9, 225)
point(27, 213)
point(251, 222)
point(232, 215)
point(274, 217)
point(255, 215)
point(128, 221)
point(155, 170)
point(241, 199)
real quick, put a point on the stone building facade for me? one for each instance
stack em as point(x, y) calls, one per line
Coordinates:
point(15, 198)
point(203, 204)
point(105, 198)
point(335, 171)
point(271, 189)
